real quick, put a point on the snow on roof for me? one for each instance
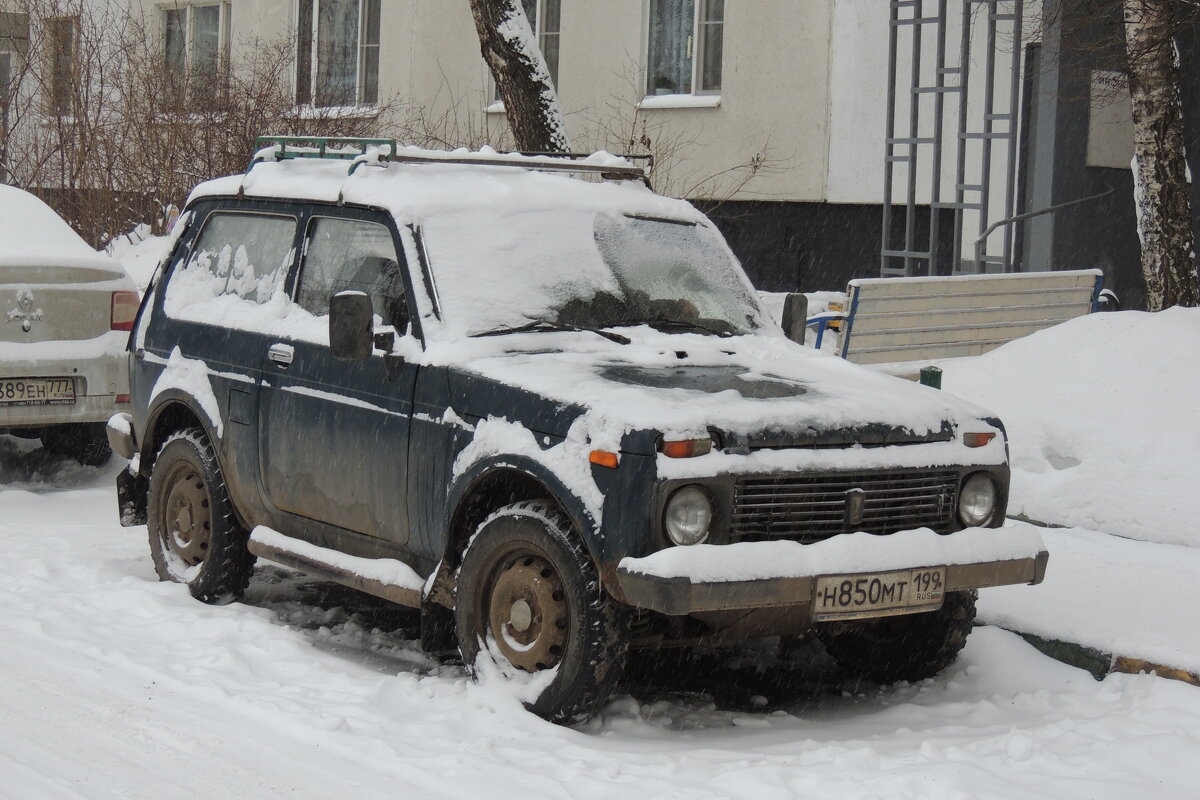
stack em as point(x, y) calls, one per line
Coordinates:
point(411, 191)
point(33, 235)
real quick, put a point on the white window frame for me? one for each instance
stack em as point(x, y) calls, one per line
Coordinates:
point(225, 17)
point(540, 33)
point(700, 95)
point(224, 36)
point(360, 82)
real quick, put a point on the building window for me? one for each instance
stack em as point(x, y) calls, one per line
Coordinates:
point(545, 19)
point(685, 47)
point(337, 57)
point(196, 52)
point(61, 33)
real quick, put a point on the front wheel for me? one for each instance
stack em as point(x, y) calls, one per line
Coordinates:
point(910, 647)
point(529, 600)
point(194, 537)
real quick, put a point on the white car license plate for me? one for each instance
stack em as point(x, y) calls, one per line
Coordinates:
point(37, 391)
point(878, 594)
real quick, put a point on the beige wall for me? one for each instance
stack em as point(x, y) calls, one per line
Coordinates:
point(774, 102)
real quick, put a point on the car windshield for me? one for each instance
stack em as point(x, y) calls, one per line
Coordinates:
point(563, 270)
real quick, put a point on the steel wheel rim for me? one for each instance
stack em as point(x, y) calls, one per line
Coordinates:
point(185, 522)
point(528, 614)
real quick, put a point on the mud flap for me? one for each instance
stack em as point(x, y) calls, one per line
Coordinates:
point(132, 494)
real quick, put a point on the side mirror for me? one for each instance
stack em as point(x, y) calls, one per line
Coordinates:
point(350, 323)
point(795, 315)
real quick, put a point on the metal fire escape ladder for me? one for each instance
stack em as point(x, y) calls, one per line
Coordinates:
point(908, 19)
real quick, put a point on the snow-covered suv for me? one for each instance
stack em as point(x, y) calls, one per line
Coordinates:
point(549, 411)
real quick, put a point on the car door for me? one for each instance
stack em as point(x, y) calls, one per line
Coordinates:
point(334, 434)
point(214, 315)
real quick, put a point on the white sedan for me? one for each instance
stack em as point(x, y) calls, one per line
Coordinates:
point(65, 316)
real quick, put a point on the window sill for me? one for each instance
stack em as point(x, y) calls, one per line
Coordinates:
point(335, 112)
point(495, 108)
point(680, 101)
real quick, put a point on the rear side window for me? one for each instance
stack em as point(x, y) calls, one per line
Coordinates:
point(350, 254)
point(239, 254)
point(247, 254)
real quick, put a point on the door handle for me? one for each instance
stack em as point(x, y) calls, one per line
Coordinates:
point(281, 354)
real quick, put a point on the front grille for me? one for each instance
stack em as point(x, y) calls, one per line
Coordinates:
point(811, 507)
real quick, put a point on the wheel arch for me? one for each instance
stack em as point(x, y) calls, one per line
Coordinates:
point(488, 486)
point(173, 411)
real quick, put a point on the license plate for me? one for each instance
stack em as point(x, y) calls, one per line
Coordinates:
point(878, 594)
point(37, 391)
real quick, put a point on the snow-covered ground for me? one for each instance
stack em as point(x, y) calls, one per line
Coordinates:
point(117, 685)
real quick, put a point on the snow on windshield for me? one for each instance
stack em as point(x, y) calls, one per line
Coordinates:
point(502, 270)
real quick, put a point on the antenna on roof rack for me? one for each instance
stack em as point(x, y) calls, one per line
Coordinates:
point(279, 148)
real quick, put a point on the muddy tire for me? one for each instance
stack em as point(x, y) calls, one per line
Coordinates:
point(194, 537)
point(910, 647)
point(529, 599)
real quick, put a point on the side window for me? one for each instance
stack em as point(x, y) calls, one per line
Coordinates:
point(246, 254)
point(343, 254)
point(240, 254)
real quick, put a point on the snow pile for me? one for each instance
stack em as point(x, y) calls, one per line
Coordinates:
point(1102, 422)
point(139, 252)
point(1115, 595)
point(33, 235)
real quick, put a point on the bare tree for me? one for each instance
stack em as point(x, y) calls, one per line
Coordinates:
point(512, 54)
point(109, 136)
point(1159, 164)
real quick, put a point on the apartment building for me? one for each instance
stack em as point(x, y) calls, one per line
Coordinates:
point(792, 120)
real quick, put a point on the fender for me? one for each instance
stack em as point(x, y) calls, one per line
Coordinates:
point(164, 401)
point(570, 502)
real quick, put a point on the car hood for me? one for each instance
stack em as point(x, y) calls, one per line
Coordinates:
point(754, 391)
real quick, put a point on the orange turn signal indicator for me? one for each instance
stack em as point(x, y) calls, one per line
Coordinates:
point(686, 448)
point(604, 458)
point(978, 439)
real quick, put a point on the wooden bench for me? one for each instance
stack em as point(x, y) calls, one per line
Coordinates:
point(888, 320)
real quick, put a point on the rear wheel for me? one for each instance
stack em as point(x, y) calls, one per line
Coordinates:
point(194, 537)
point(529, 600)
point(910, 647)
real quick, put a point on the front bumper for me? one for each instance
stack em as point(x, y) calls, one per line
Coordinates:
point(749, 575)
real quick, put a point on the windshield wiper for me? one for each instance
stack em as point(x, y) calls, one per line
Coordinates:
point(661, 322)
point(547, 325)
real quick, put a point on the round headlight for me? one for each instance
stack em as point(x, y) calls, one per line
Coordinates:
point(978, 500)
point(689, 515)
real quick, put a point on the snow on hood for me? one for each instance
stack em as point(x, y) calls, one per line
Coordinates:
point(682, 384)
point(33, 235)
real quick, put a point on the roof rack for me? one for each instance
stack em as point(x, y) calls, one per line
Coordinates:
point(365, 150)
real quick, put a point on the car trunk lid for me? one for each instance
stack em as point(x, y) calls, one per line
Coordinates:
point(40, 303)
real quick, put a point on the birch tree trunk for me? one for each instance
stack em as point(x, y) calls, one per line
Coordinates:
point(1160, 167)
point(511, 51)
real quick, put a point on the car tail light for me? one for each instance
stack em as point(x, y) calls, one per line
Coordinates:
point(686, 448)
point(122, 398)
point(124, 310)
point(978, 439)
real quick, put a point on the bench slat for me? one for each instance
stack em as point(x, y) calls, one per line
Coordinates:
point(926, 352)
point(948, 334)
point(952, 319)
